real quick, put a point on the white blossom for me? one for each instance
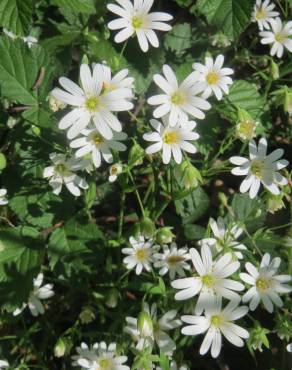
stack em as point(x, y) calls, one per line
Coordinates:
point(263, 13)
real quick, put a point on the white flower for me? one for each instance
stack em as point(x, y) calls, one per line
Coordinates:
point(94, 101)
point(260, 168)
point(140, 255)
point(115, 170)
point(159, 333)
point(263, 13)
point(39, 293)
point(172, 260)
point(62, 171)
point(178, 100)
point(30, 40)
point(217, 322)
point(3, 364)
point(289, 347)
point(84, 352)
point(279, 36)
point(3, 199)
point(214, 78)
point(171, 139)
point(100, 357)
point(266, 285)
point(9, 34)
point(93, 143)
point(136, 19)
point(225, 238)
point(119, 81)
point(211, 280)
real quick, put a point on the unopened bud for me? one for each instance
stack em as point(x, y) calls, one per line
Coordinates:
point(112, 298)
point(136, 155)
point(189, 175)
point(86, 315)
point(164, 236)
point(115, 170)
point(274, 70)
point(275, 202)
point(61, 347)
point(258, 338)
point(288, 102)
point(147, 227)
point(145, 324)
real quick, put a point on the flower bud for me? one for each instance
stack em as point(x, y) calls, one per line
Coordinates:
point(164, 236)
point(246, 125)
point(284, 326)
point(274, 70)
point(147, 227)
point(145, 324)
point(86, 315)
point(61, 347)
point(275, 202)
point(188, 174)
point(112, 298)
point(136, 155)
point(288, 101)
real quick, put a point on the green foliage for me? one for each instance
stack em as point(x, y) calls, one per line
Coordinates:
point(230, 16)
point(21, 252)
point(16, 15)
point(78, 6)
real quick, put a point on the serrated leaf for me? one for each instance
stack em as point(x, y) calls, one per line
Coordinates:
point(192, 207)
point(229, 16)
point(20, 69)
point(16, 16)
point(76, 6)
point(243, 95)
point(179, 39)
point(21, 252)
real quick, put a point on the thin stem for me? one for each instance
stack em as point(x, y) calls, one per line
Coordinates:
point(122, 51)
point(121, 216)
point(137, 193)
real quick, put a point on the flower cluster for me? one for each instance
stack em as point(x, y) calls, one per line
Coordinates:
point(273, 31)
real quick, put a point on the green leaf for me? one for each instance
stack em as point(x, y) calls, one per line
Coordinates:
point(179, 39)
point(243, 95)
point(21, 252)
point(25, 75)
point(77, 6)
point(73, 245)
point(251, 212)
point(229, 16)
point(192, 207)
point(16, 16)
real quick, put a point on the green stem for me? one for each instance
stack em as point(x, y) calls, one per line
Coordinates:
point(121, 216)
point(122, 51)
point(137, 193)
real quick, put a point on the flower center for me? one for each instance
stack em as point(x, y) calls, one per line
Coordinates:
point(263, 284)
point(279, 37)
point(257, 168)
point(212, 78)
point(261, 14)
point(142, 254)
point(170, 137)
point(216, 320)
point(61, 168)
point(246, 129)
point(105, 364)
point(92, 103)
point(97, 139)
point(208, 281)
point(173, 260)
point(178, 98)
point(136, 22)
